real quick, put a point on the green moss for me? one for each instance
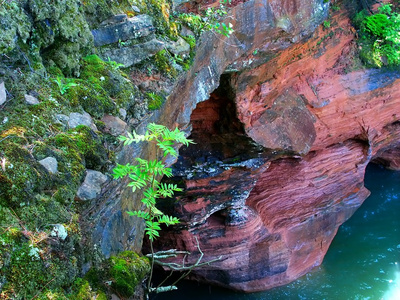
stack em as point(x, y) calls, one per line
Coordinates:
point(379, 43)
point(82, 290)
point(91, 97)
point(81, 143)
point(30, 265)
point(160, 11)
point(45, 211)
point(155, 101)
point(191, 40)
point(101, 88)
point(64, 33)
point(28, 273)
point(164, 62)
point(128, 270)
point(22, 176)
point(14, 23)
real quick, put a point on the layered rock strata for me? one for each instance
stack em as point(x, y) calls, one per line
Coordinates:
point(268, 187)
point(282, 145)
point(258, 26)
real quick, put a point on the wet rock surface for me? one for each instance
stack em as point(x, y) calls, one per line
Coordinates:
point(269, 191)
point(284, 126)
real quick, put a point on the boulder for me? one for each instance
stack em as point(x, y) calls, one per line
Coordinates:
point(114, 125)
point(179, 47)
point(50, 163)
point(126, 29)
point(131, 55)
point(3, 94)
point(91, 186)
point(76, 119)
point(30, 100)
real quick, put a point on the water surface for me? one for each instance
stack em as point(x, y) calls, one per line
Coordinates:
point(363, 261)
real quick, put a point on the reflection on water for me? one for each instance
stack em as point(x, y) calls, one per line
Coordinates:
point(362, 263)
point(394, 290)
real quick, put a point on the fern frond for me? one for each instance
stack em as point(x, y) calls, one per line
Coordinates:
point(140, 214)
point(168, 220)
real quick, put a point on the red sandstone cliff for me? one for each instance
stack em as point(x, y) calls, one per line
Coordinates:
point(280, 156)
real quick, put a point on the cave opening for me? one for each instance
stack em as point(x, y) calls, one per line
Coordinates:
point(219, 170)
point(218, 133)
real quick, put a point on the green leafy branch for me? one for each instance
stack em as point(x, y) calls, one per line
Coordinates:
point(145, 174)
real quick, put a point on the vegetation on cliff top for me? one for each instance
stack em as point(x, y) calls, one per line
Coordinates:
point(379, 37)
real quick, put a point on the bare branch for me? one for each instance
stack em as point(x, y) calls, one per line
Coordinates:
point(162, 289)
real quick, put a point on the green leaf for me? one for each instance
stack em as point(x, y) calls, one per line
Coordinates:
point(168, 220)
point(144, 175)
point(140, 214)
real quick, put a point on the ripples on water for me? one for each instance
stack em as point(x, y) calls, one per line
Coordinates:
point(362, 263)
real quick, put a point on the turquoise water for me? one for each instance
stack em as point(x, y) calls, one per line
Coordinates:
point(363, 261)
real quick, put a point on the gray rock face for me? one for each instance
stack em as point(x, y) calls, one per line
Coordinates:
point(114, 20)
point(50, 163)
point(132, 55)
point(91, 187)
point(31, 100)
point(61, 118)
point(76, 119)
point(185, 31)
point(132, 28)
point(177, 3)
point(180, 47)
point(122, 113)
point(3, 95)
point(114, 125)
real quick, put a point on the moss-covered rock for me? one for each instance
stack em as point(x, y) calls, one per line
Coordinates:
point(161, 12)
point(101, 88)
point(127, 270)
point(46, 51)
point(32, 261)
point(14, 24)
point(22, 176)
point(62, 33)
point(82, 290)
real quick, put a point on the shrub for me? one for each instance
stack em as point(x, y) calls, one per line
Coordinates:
point(380, 37)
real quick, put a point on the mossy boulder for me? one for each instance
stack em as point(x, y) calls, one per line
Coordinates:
point(61, 32)
point(127, 270)
point(102, 88)
point(30, 262)
point(14, 23)
point(82, 290)
point(84, 143)
point(22, 176)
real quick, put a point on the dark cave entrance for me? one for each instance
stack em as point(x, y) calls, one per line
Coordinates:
point(218, 133)
point(206, 169)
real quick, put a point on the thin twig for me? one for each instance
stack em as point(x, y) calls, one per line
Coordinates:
point(179, 267)
point(37, 294)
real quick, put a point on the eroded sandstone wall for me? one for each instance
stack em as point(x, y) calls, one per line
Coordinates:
point(282, 144)
point(260, 25)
